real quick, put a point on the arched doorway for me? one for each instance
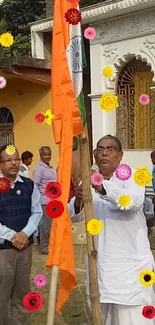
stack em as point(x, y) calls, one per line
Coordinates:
point(6, 126)
point(135, 122)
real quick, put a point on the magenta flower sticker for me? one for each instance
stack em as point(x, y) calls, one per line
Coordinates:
point(123, 172)
point(90, 33)
point(96, 179)
point(144, 99)
point(40, 280)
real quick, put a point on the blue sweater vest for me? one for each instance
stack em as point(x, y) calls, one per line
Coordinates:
point(15, 208)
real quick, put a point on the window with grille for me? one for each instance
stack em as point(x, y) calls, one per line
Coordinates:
point(6, 126)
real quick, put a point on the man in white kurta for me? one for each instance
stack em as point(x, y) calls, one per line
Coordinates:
point(123, 249)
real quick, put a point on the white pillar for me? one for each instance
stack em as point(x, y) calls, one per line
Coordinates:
point(102, 122)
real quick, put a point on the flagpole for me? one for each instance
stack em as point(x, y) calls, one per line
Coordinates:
point(52, 295)
point(88, 208)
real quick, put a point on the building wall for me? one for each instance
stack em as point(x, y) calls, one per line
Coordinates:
point(118, 40)
point(138, 159)
point(25, 99)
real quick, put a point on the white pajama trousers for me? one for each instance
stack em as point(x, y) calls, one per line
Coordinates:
point(113, 314)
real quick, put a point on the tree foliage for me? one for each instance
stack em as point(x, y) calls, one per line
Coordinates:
point(16, 16)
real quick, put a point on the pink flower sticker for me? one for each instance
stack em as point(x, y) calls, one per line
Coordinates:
point(123, 172)
point(90, 33)
point(40, 280)
point(96, 179)
point(2, 82)
point(144, 99)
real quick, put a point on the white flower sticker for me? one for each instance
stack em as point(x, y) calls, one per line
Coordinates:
point(124, 202)
point(109, 72)
point(10, 150)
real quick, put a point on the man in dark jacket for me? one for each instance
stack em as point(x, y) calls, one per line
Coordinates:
point(20, 214)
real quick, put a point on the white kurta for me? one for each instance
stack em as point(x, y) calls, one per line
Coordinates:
point(123, 247)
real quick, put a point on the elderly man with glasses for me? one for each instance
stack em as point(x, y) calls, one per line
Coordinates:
point(124, 259)
point(20, 214)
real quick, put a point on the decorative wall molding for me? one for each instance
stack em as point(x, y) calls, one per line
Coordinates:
point(109, 31)
point(126, 27)
point(110, 53)
point(120, 53)
point(148, 50)
point(99, 12)
point(96, 96)
point(117, 8)
point(44, 25)
point(105, 8)
point(121, 62)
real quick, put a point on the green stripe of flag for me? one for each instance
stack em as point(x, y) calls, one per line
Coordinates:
point(82, 107)
point(80, 98)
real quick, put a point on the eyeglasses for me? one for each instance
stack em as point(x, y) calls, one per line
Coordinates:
point(108, 150)
point(10, 161)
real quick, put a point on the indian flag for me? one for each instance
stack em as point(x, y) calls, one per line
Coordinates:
point(75, 62)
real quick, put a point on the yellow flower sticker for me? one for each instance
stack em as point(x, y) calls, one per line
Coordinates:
point(147, 278)
point(108, 102)
point(48, 117)
point(10, 150)
point(94, 226)
point(124, 202)
point(6, 40)
point(109, 72)
point(142, 177)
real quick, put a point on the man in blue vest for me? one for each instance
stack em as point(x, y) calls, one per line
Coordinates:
point(20, 215)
